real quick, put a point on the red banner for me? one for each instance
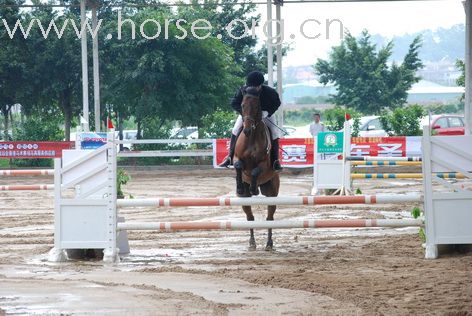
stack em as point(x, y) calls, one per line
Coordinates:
point(294, 152)
point(26, 149)
point(298, 152)
point(379, 146)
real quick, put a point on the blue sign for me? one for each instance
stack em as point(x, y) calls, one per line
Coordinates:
point(92, 140)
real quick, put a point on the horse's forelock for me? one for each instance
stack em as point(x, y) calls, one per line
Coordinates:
point(252, 92)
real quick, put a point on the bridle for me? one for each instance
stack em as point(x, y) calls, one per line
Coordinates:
point(254, 123)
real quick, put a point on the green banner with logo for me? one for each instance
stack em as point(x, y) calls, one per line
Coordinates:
point(330, 142)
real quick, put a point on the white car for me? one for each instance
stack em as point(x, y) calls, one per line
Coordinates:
point(370, 126)
point(128, 135)
point(190, 132)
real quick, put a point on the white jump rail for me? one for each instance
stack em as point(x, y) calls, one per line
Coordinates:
point(279, 224)
point(165, 141)
point(381, 158)
point(27, 187)
point(280, 200)
point(27, 172)
point(167, 152)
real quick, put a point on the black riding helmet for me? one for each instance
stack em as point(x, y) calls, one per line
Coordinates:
point(254, 79)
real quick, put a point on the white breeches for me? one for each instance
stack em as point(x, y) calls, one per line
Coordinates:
point(269, 121)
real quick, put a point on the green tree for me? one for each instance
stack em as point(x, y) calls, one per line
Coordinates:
point(403, 121)
point(362, 77)
point(54, 68)
point(217, 124)
point(12, 62)
point(167, 79)
point(246, 57)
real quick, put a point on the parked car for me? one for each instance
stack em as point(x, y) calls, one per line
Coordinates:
point(190, 132)
point(128, 135)
point(370, 126)
point(445, 124)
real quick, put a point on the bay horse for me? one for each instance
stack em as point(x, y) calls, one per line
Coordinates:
point(252, 160)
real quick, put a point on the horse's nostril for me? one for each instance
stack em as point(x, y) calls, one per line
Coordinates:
point(247, 131)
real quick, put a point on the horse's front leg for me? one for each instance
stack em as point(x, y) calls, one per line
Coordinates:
point(254, 189)
point(250, 217)
point(238, 165)
point(270, 217)
point(270, 188)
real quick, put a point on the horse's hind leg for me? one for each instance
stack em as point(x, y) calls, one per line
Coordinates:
point(250, 217)
point(270, 189)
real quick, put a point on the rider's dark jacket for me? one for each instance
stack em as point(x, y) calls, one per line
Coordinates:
point(269, 98)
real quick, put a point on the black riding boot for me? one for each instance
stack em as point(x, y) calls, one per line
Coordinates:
point(229, 159)
point(274, 155)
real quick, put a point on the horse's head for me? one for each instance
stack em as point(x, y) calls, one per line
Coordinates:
point(251, 110)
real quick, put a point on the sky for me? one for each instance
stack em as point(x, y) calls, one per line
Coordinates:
point(385, 18)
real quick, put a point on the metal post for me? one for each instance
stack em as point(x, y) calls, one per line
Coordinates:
point(468, 69)
point(279, 61)
point(84, 68)
point(270, 53)
point(96, 78)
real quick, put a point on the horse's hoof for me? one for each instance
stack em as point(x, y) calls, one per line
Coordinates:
point(269, 246)
point(252, 247)
point(252, 244)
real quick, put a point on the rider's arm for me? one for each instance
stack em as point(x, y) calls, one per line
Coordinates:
point(274, 102)
point(237, 100)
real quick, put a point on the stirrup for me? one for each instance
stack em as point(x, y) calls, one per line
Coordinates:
point(277, 166)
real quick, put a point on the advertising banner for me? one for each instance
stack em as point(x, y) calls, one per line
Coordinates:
point(29, 150)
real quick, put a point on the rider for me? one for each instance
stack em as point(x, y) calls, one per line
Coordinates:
point(270, 102)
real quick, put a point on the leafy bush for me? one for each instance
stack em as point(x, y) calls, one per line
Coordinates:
point(37, 128)
point(416, 212)
point(217, 124)
point(122, 178)
point(403, 121)
point(334, 119)
point(40, 129)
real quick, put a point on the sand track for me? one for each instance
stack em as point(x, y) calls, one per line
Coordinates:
point(310, 272)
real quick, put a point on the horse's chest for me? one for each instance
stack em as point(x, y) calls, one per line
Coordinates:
point(255, 152)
